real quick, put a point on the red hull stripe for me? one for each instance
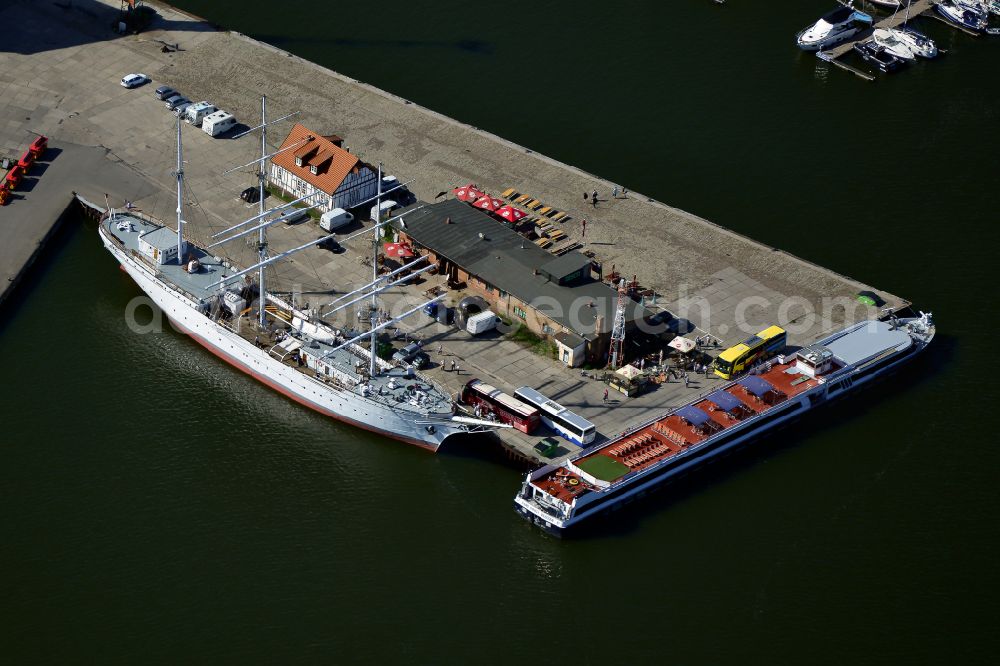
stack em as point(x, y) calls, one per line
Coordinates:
point(241, 366)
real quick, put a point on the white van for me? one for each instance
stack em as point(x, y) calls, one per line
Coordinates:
point(335, 219)
point(383, 211)
point(482, 322)
point(216, 123)
point(196, 113)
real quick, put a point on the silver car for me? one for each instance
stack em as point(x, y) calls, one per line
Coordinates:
point(175, 101)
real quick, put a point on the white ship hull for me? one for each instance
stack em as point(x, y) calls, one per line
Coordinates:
point(330, 400)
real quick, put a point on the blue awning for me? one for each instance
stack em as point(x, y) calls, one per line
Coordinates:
point(727, 401)
point(693, 415)
point(756, 385)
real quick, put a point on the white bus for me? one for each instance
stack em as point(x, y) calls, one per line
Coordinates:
point(570, 426)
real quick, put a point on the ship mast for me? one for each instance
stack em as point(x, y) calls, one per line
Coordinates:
point(376, 233)
point(180, 190)
point(262, 233)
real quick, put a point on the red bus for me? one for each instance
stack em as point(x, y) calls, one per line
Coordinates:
point(490, 400)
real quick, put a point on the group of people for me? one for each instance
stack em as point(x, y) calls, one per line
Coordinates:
point(614, 195)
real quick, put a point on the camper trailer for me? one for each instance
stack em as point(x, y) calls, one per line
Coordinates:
point(216, 123)
point(196, 113)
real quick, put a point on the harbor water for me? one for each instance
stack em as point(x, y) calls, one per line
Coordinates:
point(159, 506)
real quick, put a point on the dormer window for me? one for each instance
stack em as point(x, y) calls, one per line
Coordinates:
point(313, 169)
point(298, 161)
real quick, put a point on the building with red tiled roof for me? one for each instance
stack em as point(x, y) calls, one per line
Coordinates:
point(311, 162)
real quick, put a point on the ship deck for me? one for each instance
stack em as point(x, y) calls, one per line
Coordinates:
point(201, 285)
point(391, 386)
point(682, 429)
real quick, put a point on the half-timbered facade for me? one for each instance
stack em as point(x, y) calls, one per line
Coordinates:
point(314, 163)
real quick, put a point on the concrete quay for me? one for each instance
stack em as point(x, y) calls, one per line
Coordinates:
point(59, 76)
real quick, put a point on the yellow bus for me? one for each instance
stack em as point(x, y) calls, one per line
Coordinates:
point(756, 348)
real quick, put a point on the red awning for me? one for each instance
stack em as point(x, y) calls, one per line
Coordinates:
point(467, 192)
point(511, 214)
point(489, 203)
point(401, 250)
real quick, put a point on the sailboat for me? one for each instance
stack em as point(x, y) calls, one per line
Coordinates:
point(889, 39)
point(922, 45)
point(288, 349)
point(993, 6)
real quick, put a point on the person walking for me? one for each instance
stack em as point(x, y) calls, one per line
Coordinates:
point(583, 229)
point(605, 396)
point(453, 365)
point(458, 370)
point(687, 381)
point(593, 199)
point(614, 192)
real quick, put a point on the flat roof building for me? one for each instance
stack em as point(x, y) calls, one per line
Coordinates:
point(553, 296)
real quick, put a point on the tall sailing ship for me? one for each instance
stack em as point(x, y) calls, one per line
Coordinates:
point(290, 350)
point(558, 497)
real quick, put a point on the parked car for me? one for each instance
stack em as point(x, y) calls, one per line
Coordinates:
point(411, 354)
point(293, 215)
point(250, 195)
point(134, 80)
point(181, 108)
point(175, 101)
point(330, 244)
point(163, 92)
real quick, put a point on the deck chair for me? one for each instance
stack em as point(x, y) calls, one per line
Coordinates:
point(521, 199)
point(534, 205)
point(557, 216)
point(545, 210)
point(508, 193)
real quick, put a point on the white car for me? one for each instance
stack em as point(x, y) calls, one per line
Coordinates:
point(134, 80)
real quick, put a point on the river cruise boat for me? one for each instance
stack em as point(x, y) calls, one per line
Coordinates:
point(558, 497)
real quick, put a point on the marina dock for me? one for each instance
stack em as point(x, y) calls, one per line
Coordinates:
point(915, 9)
point(59, 76)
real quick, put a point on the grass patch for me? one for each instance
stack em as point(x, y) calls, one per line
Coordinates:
point(534, 342)
point(604, 468)
point(277, 193)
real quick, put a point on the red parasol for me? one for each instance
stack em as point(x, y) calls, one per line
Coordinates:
point(401, 250)
point(511, 214)
point(489, 203)
point(467, 192)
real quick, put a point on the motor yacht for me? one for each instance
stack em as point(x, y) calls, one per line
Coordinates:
point(964, 13)
point(833, 28)
point(878, 56)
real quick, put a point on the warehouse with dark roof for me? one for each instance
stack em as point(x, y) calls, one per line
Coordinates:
point(553, 296)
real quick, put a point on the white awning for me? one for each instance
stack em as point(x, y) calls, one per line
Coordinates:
point(628, 372)
point(682, 344)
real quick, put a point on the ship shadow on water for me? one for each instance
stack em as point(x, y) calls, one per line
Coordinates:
point(483, 447)
point(630, 516)
point(66, 228)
